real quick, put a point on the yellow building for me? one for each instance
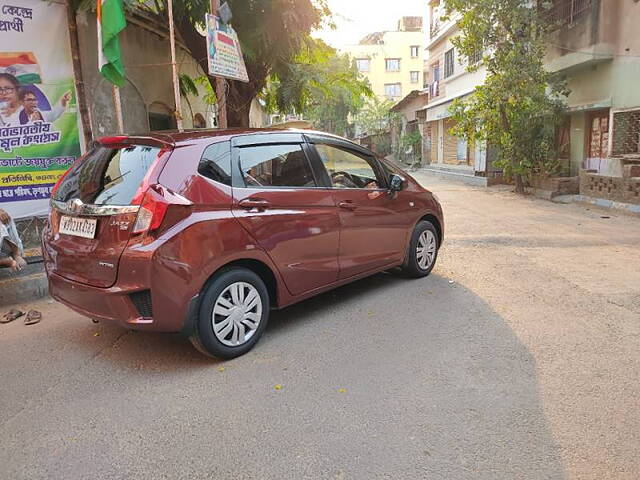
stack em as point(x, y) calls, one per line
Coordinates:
point(392, 61)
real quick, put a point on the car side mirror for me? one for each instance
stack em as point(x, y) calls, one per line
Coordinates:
point(396, 182)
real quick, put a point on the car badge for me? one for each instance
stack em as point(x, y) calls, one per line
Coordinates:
point(74, 205)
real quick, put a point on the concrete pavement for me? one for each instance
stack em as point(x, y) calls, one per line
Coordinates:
point(517, 358)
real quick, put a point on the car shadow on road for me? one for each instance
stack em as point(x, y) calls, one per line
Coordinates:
point(436, 385)
point(439, 365)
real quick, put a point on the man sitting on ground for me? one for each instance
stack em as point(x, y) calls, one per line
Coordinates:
point(10, 244)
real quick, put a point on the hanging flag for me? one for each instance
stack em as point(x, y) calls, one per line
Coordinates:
point(111, 22)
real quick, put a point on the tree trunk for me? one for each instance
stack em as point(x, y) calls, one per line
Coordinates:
point(519, 184)
point(81, 98)
point(239, 98)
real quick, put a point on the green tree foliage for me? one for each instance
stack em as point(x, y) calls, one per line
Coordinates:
point(187, 87)
point(377, 121)
point(272, 34)
point(377, 118)
point(519, 106)
point(326, 88)
point(410, 141)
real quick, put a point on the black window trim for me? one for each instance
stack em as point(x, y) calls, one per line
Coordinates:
point(230, 163)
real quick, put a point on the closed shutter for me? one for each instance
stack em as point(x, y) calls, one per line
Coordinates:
point(434, 142)
point(450, 144)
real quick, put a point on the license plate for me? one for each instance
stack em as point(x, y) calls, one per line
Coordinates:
point(80, 227)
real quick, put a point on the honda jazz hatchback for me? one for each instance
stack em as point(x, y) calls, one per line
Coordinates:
point(205, 232)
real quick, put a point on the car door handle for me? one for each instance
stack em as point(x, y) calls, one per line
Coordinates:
point(251, 203)
point(347, 205)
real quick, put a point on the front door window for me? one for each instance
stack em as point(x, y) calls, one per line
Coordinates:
point(346, 169)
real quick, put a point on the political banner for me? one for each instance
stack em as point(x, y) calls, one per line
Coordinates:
point(223, 51)
point(39, 136)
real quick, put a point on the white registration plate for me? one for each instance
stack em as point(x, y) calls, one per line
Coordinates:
point(80, 227)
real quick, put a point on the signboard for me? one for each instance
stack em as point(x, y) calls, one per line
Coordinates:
point(38, 121)
point(223, 51)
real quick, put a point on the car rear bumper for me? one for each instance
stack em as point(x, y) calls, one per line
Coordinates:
point(110, 304)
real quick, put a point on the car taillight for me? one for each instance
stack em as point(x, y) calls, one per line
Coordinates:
point(153, 208)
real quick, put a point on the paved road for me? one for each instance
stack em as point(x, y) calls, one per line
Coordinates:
point(519, 358)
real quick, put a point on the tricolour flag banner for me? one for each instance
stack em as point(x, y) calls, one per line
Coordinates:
point(22, 65)
point(111, 22)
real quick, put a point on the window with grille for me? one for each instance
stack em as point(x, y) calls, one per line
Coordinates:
point(392, 64)
point(392, 90)
point(475, 57)
point(449, 60)
point(415, 77)
point(626, 132)
point(363, 64)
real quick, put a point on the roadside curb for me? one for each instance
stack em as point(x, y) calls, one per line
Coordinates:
point(452, 175)
point(30, 284)
point(627, 208)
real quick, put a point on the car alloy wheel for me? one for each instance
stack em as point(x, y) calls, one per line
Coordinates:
point(426, 249)
point(236, 314)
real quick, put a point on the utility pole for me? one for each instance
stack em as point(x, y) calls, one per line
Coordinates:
point(174, 68)
point(117, 103)
point(221, 94)
point(81, 99)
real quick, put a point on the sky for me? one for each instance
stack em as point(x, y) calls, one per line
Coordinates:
point(355, 18)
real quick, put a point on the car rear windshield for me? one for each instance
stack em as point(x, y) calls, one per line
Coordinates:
point(107, 176)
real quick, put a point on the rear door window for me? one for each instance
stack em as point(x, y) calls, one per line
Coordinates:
point(108, 176)
point(276, 166)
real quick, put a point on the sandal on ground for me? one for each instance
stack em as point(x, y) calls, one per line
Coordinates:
point(33, 317)
point(11, 315)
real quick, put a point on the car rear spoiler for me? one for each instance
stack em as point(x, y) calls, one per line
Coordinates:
point(123, 140)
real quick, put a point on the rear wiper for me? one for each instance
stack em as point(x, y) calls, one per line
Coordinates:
point(117, 178)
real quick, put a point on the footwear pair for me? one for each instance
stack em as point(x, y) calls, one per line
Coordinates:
point(33, 316)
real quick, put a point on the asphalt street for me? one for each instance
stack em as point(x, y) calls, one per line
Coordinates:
point(518, 358)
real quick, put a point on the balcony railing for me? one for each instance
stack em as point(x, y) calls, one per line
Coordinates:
point(437, 14)
point(435, 28)
point(565, 12)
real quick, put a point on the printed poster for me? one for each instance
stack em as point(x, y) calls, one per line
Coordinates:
point(223, 51)
point(39, 136)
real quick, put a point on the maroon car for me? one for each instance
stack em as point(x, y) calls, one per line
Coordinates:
point(205, 232)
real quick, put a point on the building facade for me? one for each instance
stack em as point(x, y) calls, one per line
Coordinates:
point(448, 78)
point(392, 61)
point(597, 48)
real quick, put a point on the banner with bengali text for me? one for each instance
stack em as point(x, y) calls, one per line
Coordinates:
point(39, 136)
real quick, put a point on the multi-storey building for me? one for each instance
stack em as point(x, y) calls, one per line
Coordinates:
point(597, 47)
point(392, 61)
point(448, 78)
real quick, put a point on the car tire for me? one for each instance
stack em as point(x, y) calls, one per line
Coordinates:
point(234, 312)
point(424, 235)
